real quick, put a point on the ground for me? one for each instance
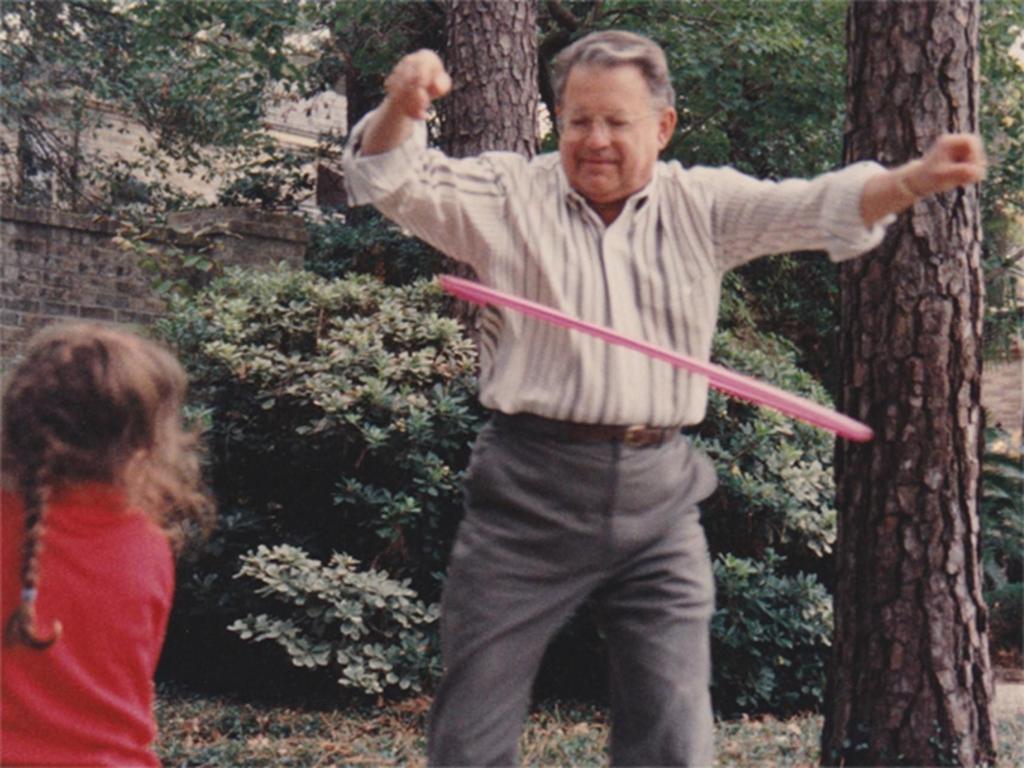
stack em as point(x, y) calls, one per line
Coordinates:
point(203, 731)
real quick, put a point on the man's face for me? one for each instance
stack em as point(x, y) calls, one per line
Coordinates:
point(611, 133)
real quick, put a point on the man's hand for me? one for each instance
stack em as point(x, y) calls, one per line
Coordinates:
point(954, 160)
point(416, 80)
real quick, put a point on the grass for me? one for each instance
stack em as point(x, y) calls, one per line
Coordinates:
point(198, 730)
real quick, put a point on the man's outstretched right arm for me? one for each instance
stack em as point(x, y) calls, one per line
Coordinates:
point(457, 205)
point(416, 80)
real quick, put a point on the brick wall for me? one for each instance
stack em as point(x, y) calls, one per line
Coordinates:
point(55, 264)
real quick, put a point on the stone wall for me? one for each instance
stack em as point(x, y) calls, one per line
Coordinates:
point(56, 265)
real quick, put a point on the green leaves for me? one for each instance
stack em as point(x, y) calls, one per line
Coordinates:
point(341, 414)
point(776, 485)
point(771, 636)
point(194, 74)
point(364, 626)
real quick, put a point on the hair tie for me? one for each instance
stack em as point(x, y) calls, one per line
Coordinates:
point(28, 594)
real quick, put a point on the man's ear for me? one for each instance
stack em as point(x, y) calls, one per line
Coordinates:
point(666, 126)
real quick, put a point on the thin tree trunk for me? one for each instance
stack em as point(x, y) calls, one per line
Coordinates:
point(911, 682)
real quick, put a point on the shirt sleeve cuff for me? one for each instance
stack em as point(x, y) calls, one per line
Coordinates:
point(849, 236)
point(370, 177)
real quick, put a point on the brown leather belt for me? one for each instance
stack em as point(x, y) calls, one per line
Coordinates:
point(634, 436)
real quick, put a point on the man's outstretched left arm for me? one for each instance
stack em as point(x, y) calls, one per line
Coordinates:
point(954, 160)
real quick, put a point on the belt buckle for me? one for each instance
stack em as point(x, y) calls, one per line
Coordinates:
point(636, 436)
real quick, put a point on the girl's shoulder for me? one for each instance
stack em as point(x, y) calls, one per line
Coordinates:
point(99, 508)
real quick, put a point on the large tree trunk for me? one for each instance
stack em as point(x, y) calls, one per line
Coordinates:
point(911, 682)
point(491, 54)
point(492, 57)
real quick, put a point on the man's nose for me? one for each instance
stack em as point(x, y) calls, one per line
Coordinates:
point(599, 134)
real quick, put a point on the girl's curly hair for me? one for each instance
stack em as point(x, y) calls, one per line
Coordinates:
point(94, 403)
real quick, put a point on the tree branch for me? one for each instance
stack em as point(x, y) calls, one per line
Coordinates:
point(565, 18)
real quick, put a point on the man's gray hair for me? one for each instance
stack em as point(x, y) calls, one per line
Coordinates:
point(615, 48)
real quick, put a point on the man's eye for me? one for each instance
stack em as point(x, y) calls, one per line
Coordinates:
point(579, 122)
point(618, 123)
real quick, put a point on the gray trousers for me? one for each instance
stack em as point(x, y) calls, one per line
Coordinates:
point(550, 522)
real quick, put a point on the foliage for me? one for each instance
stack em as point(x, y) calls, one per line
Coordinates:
point(341, 414)
point(771, 526)
point(1002, 106)
point(193, 73)
point(1002, 517)
point(1002, 546)
point(362, 625)
point(340, 419)
point(368, 243)
point(366, 39)
point(1002, 194)
point(762, 91)
point(275, 179)
point(174, 268)
point(771, 636)
point(795, 297)
point(776, 486)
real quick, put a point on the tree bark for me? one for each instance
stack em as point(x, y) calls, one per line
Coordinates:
point(491, 54)
point(911, 682)
point(492, 58)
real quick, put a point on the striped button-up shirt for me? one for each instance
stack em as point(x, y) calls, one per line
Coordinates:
point(654, 273)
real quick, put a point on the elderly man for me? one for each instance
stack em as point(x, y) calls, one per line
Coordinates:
point(581, 484)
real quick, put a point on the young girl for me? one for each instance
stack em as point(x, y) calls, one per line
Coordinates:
point(99, 482)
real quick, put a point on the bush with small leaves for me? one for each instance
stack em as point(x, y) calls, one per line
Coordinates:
point(367, 628)
point(776, 487)
point(771, 637)
point(364, 242)
point(342, 411)
point(1002, 543)
point(340, 415)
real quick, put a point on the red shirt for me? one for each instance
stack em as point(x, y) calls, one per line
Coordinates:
point(107, 574)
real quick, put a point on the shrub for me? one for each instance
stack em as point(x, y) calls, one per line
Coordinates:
point(776, 487)
point(364, 626)
point(341, 412)
point(770, 635)
point(1002, 545)
point(364, 242)
point(771, 526)
point(340, 417)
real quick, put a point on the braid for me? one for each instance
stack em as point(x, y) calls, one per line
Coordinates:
point(21, 627)
point(92, 403)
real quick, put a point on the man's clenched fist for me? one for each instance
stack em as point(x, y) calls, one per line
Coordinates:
point(954, 160)
point(417, 80)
